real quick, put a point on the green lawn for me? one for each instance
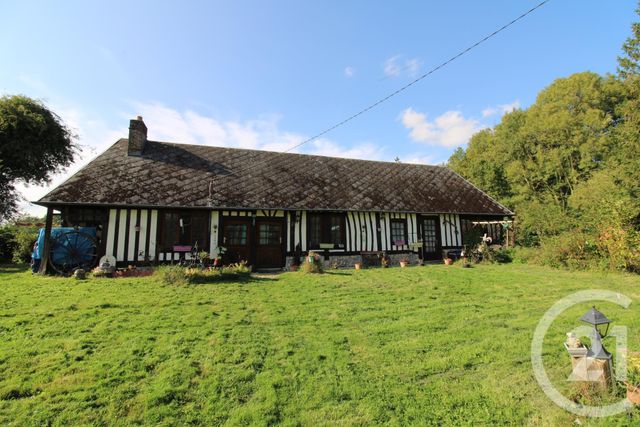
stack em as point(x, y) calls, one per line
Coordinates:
point(422, 345)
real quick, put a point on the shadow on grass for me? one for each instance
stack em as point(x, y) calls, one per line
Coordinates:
point(337, 273)
point(13, 268)
point(239, 280)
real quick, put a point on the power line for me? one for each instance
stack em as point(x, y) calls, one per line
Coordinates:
point(423, 76)
point(408, 85)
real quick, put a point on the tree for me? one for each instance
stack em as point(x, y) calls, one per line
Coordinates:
point(34, 145)
point(629, 64)
point(533, 159)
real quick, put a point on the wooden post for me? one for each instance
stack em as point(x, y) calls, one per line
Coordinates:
point(47, 242)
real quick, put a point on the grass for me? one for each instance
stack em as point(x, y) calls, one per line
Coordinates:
point(422, 345)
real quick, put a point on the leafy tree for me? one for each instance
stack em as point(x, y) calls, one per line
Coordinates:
point(17, 237)
point(34, 145)
point(533, 159)
point(569, 167)
point(629, 64)
point(483, 164)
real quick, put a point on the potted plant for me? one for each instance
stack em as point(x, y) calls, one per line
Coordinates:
point(204, 257)
point(633, 379)
point(358, 265)
point(448, 261)
point(404, 262)
point(384, 260)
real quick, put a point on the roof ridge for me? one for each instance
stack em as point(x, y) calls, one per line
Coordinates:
point(296, 154)
point(179, 175)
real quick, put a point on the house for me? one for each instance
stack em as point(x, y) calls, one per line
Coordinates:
point(151, 201)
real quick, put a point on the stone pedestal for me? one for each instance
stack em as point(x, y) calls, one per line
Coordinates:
point(589, 369)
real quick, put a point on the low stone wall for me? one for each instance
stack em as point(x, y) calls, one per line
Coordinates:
point(348, 261)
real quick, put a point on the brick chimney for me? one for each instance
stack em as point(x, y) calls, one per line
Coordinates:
point(137, 136)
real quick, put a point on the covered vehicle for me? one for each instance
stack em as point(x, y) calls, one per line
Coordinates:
point(71, 248)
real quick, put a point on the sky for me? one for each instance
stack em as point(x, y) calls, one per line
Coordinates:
point(270, 74)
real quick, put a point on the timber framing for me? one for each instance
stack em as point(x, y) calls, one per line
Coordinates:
point(126, 193)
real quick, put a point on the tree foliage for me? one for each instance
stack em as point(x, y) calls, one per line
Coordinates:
point(629, 63)
point(34, 145)
point(17, 237)
point(569, 167)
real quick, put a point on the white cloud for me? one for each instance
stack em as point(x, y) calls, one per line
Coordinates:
point(420, 159)
point(449, 130)
point(413, 66)
point(395, 66)
point(507, 108)
point(324, 147)
point(349, 71)
point(391, 67)
point(489, 111)
point(263, 133)
point(501, 108)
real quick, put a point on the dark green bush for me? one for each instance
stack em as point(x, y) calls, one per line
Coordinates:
point(503, 256)
point(17, 239)
point(572, 249)
point(7, 243)
point(24, 239)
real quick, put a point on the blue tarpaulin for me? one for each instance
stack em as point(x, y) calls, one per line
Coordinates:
point(61, 248)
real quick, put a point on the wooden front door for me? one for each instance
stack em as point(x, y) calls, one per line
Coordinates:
point(236, 238)
point(431, 245)
point(269, 243)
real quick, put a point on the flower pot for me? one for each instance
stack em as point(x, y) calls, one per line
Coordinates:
point(448, 261)
point(358, 265)
point(403, 264)
point(633, 394)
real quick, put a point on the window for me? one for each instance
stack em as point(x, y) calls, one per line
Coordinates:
point(185, 229)
point(399, 232)
point(315, 231)
point(325, 228)
point(269, 234)
point(430, 234)
point(235, 234)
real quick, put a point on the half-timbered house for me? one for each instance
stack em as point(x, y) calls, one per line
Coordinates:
point(151, 201)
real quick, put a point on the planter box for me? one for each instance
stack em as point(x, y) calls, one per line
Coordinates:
point(576, 351)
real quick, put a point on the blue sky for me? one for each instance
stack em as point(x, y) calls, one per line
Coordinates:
point(268, 74)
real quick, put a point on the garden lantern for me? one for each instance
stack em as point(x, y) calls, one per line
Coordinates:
point(597, 350)
point(598, 320)
point(600, 324)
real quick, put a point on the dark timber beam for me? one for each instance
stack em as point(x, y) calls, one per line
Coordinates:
point(47, 242)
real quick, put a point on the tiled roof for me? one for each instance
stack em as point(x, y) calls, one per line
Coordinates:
point(178, 175)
